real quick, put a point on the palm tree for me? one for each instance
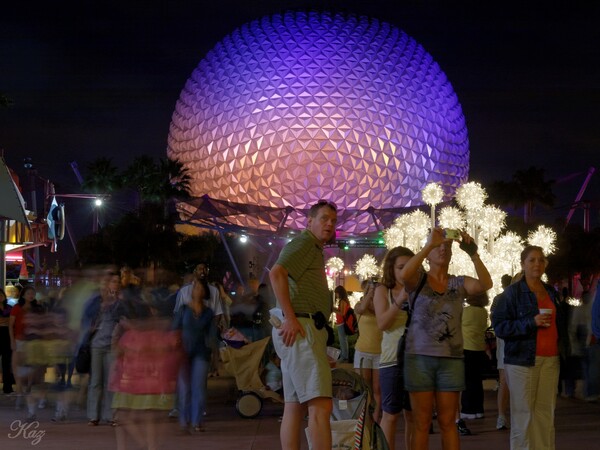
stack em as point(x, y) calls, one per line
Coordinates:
point(532, 188)
point(527, 188)
point(4, 100)
point(176, 179)
point(157, 183)
point(102, 177)
point(142, 176)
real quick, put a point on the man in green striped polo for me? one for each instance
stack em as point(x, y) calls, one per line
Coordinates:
point(299, 282)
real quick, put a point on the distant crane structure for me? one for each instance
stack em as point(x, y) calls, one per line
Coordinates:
point(578, 203)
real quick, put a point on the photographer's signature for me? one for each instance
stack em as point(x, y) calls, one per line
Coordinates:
point(26, 430)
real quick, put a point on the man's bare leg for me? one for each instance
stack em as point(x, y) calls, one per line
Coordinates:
point(291, 425)
point(319, 425)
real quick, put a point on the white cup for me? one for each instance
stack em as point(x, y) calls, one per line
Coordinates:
point(546, 311)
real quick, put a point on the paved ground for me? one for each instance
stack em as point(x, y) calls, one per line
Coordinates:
point(577, 424)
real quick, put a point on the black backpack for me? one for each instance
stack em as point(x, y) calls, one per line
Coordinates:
point(350, 322)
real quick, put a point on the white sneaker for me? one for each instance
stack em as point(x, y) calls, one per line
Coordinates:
point(468, 416)
point(501, 423)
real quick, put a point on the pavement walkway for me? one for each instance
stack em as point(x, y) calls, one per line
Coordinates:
point(577, 427)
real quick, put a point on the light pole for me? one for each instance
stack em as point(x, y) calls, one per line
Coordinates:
point(98, 202)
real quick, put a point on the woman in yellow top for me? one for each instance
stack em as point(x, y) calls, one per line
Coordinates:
point(474, 324)
point(390, 299)
point(367, 349)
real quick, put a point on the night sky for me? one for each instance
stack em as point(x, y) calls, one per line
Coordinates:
point(103, 81)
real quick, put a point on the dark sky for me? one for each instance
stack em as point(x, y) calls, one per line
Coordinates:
point(90, 81)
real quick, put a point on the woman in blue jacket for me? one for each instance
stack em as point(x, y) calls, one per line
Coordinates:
point(195, 322)
point(530, 320)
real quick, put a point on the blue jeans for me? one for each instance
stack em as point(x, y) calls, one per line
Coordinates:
point(343, 342)
point(191, 387)
point(99, 397)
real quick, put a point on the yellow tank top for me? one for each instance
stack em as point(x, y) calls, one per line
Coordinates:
point(369, 339)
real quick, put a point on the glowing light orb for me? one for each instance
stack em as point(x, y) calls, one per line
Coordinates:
point(432, 194)
point(367, 267)
point(335, 265)
point(297, 107)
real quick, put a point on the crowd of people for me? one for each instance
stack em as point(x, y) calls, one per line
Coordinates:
point(152, 345)
point(541, 340)
point(542, 345)
point(142, 349)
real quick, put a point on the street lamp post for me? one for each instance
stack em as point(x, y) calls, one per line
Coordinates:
point(98, 202)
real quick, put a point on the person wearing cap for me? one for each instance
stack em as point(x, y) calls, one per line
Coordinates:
point(300, 286)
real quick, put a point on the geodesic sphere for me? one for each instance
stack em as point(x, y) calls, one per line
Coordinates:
point(302, 106)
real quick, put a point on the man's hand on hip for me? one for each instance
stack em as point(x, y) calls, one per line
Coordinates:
point(289, 329)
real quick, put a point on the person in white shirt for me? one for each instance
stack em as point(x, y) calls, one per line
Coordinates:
point(184, 297)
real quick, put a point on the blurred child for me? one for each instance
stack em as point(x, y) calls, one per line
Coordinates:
point(273, 376)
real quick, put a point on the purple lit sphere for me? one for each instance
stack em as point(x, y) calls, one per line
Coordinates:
point(297, 107)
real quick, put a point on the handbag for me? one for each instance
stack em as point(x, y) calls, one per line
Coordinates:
point(330, 335)
point(83, 359)
point(320, 323)
point(402, 342)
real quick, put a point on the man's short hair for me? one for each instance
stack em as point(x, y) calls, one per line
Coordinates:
point(314, 209)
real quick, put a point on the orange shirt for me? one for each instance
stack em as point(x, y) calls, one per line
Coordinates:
point(339, 317)
point(19, 314)
point(547, 337)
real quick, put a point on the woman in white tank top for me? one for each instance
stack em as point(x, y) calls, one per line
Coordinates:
point(390, 297)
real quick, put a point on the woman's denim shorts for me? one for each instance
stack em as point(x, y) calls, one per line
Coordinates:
point(433, 373)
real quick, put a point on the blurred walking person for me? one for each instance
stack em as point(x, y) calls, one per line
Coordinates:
point(16, 329)
point(195, 321)
point(100, 317)
point(5, 347)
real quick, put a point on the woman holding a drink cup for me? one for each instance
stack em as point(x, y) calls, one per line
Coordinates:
point(534, 329)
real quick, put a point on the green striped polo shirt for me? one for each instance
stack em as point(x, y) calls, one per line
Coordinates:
point(303, 259)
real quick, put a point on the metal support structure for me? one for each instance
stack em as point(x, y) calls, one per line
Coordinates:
point(267, 267)
point(591, 171)
point(586, 217)
point(233, 263)
point(280, 227)
point(70, 233)
point(371, 211)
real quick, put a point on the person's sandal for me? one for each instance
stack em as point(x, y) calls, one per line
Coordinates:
point(93, 423)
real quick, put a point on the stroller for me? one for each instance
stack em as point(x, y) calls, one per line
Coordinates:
point(243, 363)
point(352, 424)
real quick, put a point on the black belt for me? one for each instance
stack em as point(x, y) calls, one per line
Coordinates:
point(318, 318)
point(305, 315)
